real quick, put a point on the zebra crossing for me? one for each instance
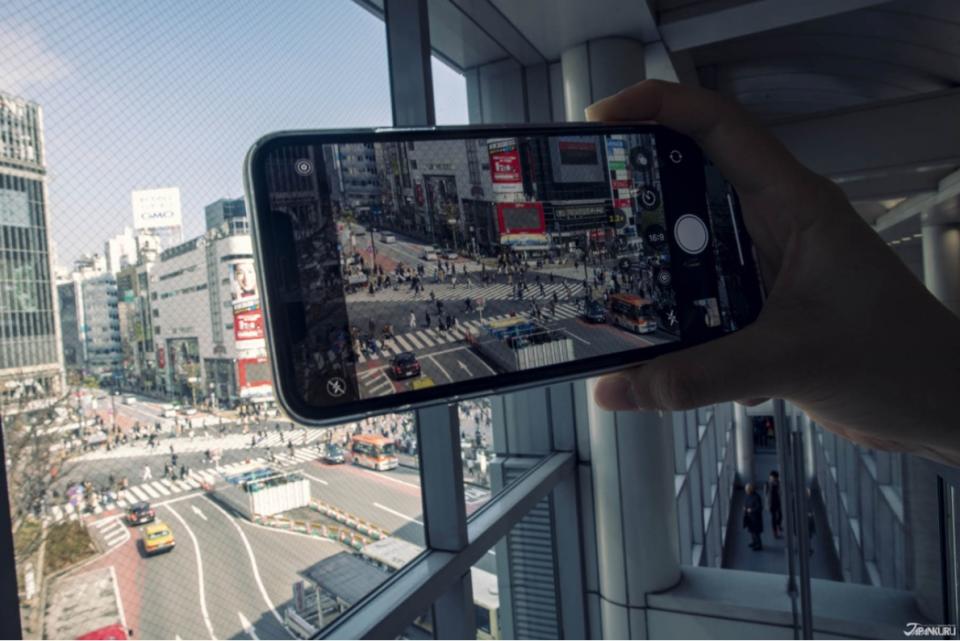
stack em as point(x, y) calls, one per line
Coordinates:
point(153, 491)
point(416, 340)
point(112, 531)
point(497, 291)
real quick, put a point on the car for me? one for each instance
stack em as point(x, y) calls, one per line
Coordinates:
point(188, 411)
point(140, 514)
point(333, 454)
point(157, 538)
point(129, 399)
point(595, 312)
point(405, 365)
point(428, 255)
point(168, 412)
point(388, 238)
point(422, 383)
point(449, 254)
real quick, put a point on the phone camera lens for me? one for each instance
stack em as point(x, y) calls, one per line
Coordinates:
point(303, 167)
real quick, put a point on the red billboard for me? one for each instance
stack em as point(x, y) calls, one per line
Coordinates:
point(254, 375)
point(521, 218)
point(161, 358)
point(248, 325)
point(505, 165)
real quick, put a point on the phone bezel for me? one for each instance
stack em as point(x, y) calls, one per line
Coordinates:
point(286, 389)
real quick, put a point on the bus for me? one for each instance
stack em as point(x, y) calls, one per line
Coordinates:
point(376, 452)
point(633, 313)
point(391, 554)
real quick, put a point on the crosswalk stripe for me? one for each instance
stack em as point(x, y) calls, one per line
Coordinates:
point(121, 503)
point(402, 343)
point(137, 492)
point(412, 338)
point(149, 491)
point(422, 335)
point(160, 488)
point(207, 476)
point(192, 484)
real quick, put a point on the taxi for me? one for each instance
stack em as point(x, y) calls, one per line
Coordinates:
point(422, 382)
point(157, 537)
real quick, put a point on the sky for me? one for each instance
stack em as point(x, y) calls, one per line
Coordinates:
point(139, 94)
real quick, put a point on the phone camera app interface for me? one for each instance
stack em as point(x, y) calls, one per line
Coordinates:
point(430, 262)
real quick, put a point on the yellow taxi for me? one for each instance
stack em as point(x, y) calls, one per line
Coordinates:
point(422, 382)
point(157, 537)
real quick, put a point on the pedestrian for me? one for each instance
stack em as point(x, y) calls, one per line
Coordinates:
point(426, 319)
point(753, 517)
point(147, 474)
point(183, 472)
point(773, 503)
point(413, 320)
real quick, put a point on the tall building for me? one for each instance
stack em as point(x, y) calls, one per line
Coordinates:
point(227, 211)
point(207, 326)
point(357, 172)
point(31, 361)
point(121, 250)
point(91, 325)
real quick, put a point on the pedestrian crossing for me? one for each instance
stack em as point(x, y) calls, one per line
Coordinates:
point(157, 490)
point(420, 339)
point(565, 289)
point(112, 531)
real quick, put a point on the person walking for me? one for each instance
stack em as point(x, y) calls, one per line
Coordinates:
point(147, 474)
point(753, 517)
point(413, 320)
point(774, 505)
point(426, 319)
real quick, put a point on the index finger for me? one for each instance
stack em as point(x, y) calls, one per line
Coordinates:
point(746, 153)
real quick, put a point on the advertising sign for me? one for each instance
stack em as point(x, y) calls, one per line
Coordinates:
point(621, 184)
point(578, 152)
point(254, 375)
point(161, 358)
point(243, 284)
point(505, 165)
point(520, 218)
point(248, 325)
point(153, 208)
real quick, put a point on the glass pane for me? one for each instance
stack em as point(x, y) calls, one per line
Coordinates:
point(449, 94)
point(153, 480)
point(477, 452)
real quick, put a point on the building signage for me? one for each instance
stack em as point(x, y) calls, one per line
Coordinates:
point(254, 375)
point(621, 184)
point(521, 218)
point(248, 325)
point(153, 208)
point(243, 284)
point(505, 165)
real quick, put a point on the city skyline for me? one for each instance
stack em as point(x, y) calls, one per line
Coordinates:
point(118, 139)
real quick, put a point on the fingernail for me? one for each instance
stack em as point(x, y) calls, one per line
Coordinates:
point(615, 393)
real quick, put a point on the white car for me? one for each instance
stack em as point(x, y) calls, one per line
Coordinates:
point(129, 400)
point(188, 411)
point(388, 238)
point(428, 253)
point(168, 412)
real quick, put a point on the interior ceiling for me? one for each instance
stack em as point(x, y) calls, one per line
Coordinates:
point(887, 50)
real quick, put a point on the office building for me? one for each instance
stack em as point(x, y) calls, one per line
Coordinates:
point(227, 211)
point(357, 181)
point(121, 250)
point(31, 361)
point(91, 327)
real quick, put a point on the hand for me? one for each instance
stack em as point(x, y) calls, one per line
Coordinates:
point(847, 333)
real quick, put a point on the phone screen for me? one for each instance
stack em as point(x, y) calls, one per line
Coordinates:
point(402, 268)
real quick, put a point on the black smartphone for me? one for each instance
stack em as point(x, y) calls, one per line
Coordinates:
point(406, 267)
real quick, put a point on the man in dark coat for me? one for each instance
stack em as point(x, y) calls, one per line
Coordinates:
point(753, 516)
point(773, 504)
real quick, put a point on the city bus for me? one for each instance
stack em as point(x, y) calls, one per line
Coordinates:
point(391, 554)
point(376, 452)
point(633, 313)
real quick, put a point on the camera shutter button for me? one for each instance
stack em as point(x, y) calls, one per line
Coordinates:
point(691, 233)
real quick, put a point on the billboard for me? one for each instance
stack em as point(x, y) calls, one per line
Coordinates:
point(505, 165)
point(520, 218)
point(243, 284)
point(153, 208)
point(576, 159)
point(248, 325)
point(254, 374)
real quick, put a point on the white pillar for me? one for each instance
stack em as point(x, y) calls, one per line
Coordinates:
point(941, 261)
point(743, 439)
point(597, 69)
point(809, 452)
point(634, 512)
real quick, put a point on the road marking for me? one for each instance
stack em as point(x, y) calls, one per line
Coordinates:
point(314, 478)
point(137, 492)
point(160, 488)
point(253, 565)
point(440, 367)
point(197, 511)
point(149, 491)
point(248, 628)
point(567, 331)
point(116, 593)
point(395, 513)
point(381, 475)
point(413, 340)
point(196, 550)
point(464, 367)
point(402, 343)
point(425, 338)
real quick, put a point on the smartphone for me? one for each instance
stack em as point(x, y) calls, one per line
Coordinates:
point(407, 267)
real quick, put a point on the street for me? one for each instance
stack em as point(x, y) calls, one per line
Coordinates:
point(451, 317)
point(227, 577)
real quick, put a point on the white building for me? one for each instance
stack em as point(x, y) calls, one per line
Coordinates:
point(90, 325)
point(207, 323)
point(121, 251)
